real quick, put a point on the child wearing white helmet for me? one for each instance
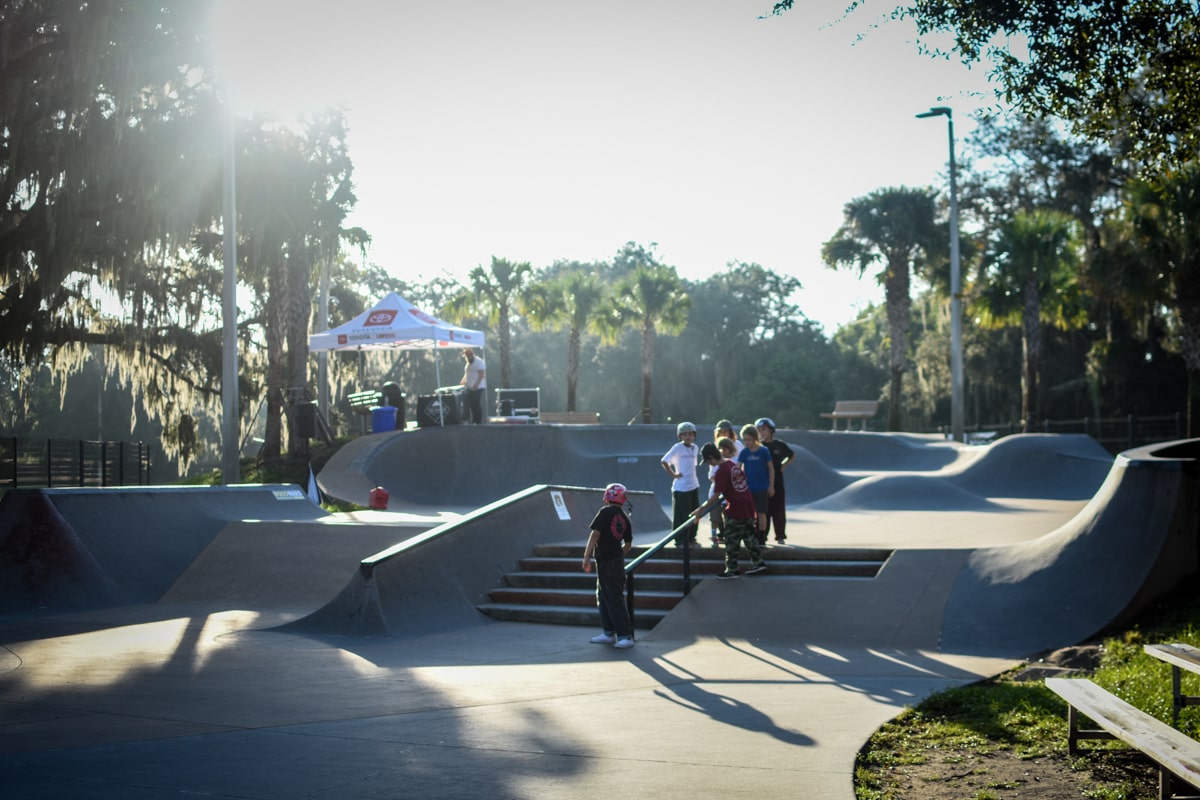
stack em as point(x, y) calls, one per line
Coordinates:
point(680, 463)
point(610, 537)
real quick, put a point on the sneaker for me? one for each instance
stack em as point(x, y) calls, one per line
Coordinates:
point(780, 540)
point(757, 568)
point(623, 643)
point(727, 574)
point(603, 638)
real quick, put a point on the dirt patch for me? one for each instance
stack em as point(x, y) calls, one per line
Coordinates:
point(1002, 775)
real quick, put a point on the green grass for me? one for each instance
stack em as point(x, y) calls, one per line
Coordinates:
point(1026, 718)
point(288, 469)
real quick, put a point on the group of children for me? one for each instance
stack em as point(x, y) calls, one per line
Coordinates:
point(762, 458)
point(746, 498)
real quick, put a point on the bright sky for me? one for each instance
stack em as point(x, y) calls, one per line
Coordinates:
point(539, 130)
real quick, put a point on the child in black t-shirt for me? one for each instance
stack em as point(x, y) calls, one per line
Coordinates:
point(611, 537)
point(781, 456)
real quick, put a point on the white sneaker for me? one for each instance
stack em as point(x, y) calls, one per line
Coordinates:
point(623, 643)
point(604, 638)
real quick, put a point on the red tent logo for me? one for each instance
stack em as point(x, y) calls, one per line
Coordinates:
point(380, 316)
point(421, 315)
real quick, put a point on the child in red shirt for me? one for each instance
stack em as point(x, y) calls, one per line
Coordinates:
point(741, 515)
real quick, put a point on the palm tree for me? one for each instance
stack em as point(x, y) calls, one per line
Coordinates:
point(572, 301)
point(493, 295)
point(1164, 213)
point(897, 226)
point(652, 298)
point(1030, 276)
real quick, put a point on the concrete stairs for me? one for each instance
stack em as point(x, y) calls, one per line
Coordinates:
point(549, 586)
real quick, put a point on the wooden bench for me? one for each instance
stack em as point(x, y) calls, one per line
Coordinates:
point(1177, 755)
point(570, 417)
point(852, 409)
point(363, 402)
point(1180, 657)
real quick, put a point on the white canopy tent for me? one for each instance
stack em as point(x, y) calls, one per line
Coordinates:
point(396, 324)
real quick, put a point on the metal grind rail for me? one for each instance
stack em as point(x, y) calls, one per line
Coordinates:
point(632, 566)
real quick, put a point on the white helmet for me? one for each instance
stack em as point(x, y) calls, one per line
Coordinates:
point(684, 427)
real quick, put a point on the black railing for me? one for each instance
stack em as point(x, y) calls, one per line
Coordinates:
point(50, 463)
point(654, 549)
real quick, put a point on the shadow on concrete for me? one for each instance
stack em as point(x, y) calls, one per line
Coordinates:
point(165, 706)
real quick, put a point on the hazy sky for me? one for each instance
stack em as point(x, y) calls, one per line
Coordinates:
point(539, 130)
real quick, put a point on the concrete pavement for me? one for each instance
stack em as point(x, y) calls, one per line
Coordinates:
point(756, 687)
point(170, 704)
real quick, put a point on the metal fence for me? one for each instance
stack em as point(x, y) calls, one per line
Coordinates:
point(1115, 433)
point(37, 463)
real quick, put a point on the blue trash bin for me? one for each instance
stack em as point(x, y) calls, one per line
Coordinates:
point(383, 418)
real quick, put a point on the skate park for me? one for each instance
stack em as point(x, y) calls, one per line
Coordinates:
point(243, 642)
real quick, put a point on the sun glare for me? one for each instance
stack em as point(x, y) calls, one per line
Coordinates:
point(277, 57)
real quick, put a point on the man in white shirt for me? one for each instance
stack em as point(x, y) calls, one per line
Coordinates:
point(475, 381)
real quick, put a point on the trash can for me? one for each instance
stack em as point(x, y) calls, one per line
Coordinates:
point(392, 396)
point(378, 498)
point(383, 418)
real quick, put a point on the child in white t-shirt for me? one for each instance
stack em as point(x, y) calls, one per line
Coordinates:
point(680, 463)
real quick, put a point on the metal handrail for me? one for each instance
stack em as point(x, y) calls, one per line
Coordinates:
point(632, 566)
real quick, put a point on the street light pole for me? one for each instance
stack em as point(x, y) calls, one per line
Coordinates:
point(231, 468)
point(956, 358)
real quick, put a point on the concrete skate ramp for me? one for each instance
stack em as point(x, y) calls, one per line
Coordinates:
point(879, 452)
point(903, 493)
point(294, 566)
point(460, 466)
point(1027, 466)
point(1133, 541)
point(470, 466)
point(809, 478)
point(71, 549)
point(1049, 466)
point(434, 581)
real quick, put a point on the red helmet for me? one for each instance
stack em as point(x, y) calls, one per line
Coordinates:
point(615, 493)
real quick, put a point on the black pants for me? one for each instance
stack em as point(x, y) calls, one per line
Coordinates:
point(475, 405)
point(610, 598)
point(777, 515)
point(682, 506)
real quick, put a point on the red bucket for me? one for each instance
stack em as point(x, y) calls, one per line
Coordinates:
point(378, 499)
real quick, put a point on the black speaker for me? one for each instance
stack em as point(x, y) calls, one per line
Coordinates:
point(306, 420)
point(435, 410)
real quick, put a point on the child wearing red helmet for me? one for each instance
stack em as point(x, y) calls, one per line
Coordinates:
point(610, 538)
